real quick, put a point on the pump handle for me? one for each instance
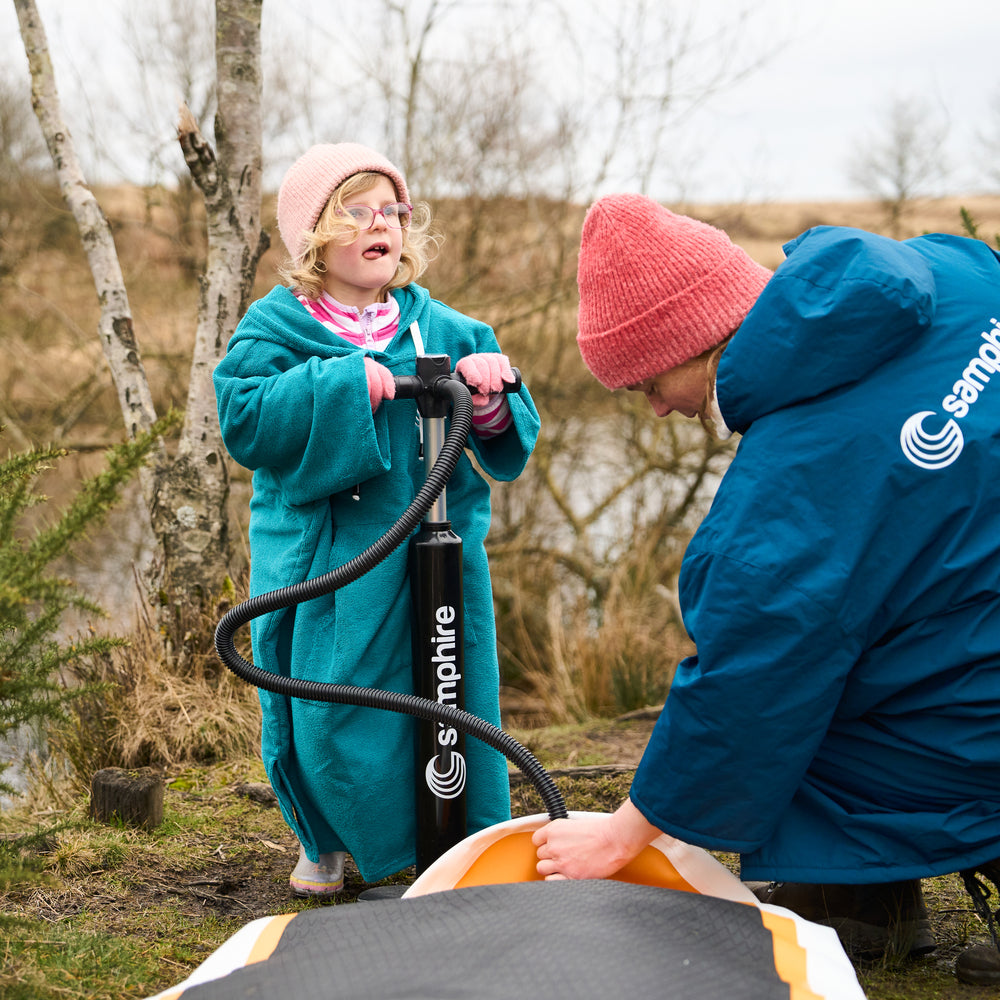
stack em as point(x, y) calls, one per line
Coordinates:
point(410, 386)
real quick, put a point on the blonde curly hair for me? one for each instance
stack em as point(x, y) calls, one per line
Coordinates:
point(420, 244)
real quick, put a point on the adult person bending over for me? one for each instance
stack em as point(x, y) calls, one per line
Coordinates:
point(838, 725)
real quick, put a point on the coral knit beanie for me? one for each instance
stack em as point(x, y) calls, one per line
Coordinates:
point(312, 179)
point(656, 289)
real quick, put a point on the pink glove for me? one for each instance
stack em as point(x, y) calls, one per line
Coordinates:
point(381, 384)
point(485, 375)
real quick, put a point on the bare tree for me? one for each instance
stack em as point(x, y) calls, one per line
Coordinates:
point(22, 151)
point(185, 494)
point(589, 95)
point(989, 140)
point(631, 73)
point(903, 158)
point(587, 542)
point(490, 127)
point(171, 64)
point(115, 327)
point(24, 165)
point(190, 515)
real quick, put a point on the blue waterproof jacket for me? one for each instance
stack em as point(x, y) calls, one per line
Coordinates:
point(294, 407)
point(841, 719)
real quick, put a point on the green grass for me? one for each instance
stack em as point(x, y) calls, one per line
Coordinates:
point(42, 960)
point(93, 912)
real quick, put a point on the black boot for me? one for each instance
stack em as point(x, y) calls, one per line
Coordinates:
point(872, 921)
point(979, 965)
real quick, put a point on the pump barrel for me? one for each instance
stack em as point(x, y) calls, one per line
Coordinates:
point(438, 667)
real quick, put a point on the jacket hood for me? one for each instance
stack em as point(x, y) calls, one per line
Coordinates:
point(841, 304)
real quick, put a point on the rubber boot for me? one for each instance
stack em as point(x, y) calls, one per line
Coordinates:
point(318, 879)
point(872, 921)
point(979, 965)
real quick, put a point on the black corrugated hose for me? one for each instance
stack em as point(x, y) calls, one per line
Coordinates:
point(391, 701)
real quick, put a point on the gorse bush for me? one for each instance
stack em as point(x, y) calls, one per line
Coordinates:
point(39, 672)
point(971, 228)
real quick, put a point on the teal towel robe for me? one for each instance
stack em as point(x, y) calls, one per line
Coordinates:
point(294, 408)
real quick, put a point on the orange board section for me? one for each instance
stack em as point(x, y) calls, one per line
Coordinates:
point(513, 859)
point(269, 938)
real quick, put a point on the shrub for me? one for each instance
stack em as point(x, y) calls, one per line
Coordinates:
point(39, 671)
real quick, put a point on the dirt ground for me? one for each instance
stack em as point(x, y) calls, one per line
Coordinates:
point(229, 854)
point(243, 872)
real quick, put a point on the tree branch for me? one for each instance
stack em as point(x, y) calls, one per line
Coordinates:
point(198, 153)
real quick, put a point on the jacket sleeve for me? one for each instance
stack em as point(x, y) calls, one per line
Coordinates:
point(308, 421)
point(504, 457)
point(745, 715)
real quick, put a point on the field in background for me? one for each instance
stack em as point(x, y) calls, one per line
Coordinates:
point(55, 381)
point(510, 263)
point(762, 229)
point(93, 911)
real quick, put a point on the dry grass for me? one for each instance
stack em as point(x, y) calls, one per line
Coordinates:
point(509, 264)
point(762, 229)
point(147, 712)
point(581, 670)
point(169, 720)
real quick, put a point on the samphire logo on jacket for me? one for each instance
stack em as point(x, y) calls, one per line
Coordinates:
point(932, 445)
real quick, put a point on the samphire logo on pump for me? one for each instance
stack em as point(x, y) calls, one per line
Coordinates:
point(936, 445)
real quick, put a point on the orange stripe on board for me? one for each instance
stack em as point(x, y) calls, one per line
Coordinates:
point(268, 939)
point(789, 956)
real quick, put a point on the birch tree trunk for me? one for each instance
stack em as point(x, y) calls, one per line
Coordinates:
point(115, 324)
point(186, 495)
point(190, 513)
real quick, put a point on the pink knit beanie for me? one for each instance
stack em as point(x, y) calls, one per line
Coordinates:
point(656, 289)
point(312, 179)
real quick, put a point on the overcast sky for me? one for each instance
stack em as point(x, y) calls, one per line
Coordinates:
point(795, 122)
point(788, 131)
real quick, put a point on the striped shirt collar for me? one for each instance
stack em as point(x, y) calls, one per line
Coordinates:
point(372, 326)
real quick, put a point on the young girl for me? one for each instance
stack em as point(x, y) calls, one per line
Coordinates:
point(302, 397)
